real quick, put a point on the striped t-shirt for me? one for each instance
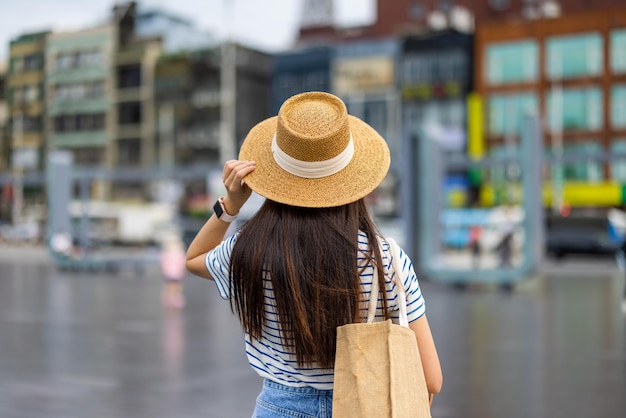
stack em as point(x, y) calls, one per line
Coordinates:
point(269, 357)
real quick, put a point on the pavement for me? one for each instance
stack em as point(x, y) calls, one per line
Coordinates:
point(99, 344)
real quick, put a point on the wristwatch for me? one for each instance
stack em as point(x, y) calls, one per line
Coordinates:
point(220, 212)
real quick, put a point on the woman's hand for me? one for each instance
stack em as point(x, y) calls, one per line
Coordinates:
point(237, 192)
point(213, 231)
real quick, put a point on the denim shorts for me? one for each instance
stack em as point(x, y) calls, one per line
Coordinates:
point(280, 401)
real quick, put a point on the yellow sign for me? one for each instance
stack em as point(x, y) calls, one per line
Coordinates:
point(475, 140)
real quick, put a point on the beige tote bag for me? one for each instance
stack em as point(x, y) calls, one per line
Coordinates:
point(378, 370)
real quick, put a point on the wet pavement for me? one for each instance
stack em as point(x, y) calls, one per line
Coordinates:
point(80, 344)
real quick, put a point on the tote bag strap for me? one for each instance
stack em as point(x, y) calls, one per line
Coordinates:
point(399, 285)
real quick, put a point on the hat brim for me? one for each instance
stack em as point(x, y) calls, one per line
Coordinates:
point(361, 176)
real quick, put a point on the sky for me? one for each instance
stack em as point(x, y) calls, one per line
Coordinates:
point(269, 25)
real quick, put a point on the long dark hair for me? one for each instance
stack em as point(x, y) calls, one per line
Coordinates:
point(311, 258)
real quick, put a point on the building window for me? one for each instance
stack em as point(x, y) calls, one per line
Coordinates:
point(446, 113)
point(129, 76)
point(618, 106)
point(91, 122)
point(574, 56)
point(618, 165)
point(26, 94)
point(618, 51)
point(512, 62)
point(315, 81)
point(128, 152)
point(375, 114)
point(589, 170)
point(64, 61)
point(32, 62)
point(91, 58)
point(79, 59)
point(17, 64)
point(575, 109)
point(417, 11)
point(500, 4)
point(129, 113)
point(506, 112)
point(92, 89)
point(31, 123)
point(81, 122)
point(450, 65)
point(88, 156)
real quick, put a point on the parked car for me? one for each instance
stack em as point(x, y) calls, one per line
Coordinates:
point(579, 240)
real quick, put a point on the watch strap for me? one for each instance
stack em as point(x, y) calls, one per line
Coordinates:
point(221, 213)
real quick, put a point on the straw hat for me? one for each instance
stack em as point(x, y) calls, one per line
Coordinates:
point(313, 154)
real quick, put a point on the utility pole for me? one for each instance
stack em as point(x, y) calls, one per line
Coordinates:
point(228, 89)
point(557, 148)
point(18, 162)
point(166, 136)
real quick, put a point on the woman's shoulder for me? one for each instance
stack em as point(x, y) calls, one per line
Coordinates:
point(383, 241)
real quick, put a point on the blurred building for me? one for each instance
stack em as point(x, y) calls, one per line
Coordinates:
point(4, 115)
point(571, 71)
point(177, 32)
point(133, 137)
point(363, 74)
point(26, 101)
point(189, 100)
point(407, 16)
point(300, 70)
point(189, 105)
point(79, 94)
point(25, 146)
point(5, 190)
point(435, 80)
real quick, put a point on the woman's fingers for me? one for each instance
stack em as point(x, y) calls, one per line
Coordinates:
point(237, 191)
point(234, 172)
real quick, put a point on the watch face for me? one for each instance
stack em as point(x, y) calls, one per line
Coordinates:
point(217, 208)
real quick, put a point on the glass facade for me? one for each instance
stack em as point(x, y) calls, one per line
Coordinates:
point(574, 56)
point(512, 62)
point(618, 51)
point(583, 170)
point(575, 109)
point(506, 112)
point(618, 165)
point(376, 111)
point(618, 106)
point(435, 66)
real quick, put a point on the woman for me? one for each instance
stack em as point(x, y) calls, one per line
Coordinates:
point(303, 264)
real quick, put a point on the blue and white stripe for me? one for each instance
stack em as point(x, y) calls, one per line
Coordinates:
point(269, 357)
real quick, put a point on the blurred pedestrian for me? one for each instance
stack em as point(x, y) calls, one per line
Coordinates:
point(172, 261)
point(505, 246)
point(303, 265)
point(475, 233)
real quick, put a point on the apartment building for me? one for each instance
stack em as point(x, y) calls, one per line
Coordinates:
point(26, 101)
point(190, 108)
point(571, 72)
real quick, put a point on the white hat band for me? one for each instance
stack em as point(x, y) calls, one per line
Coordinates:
point(312, 169)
